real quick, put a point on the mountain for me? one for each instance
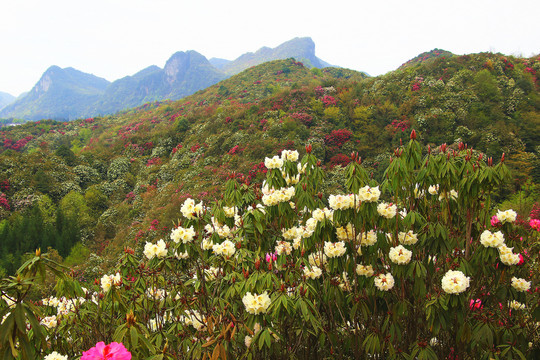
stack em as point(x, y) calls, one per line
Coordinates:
point(5, 99)
point(302, 49)
point(219, 63)
point(183, 74)
point(427, 56)
point(59, 94)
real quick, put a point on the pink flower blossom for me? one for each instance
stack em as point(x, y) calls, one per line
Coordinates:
point(476, 304)
point(535, 224)
point(495, 221)
point(112, 351)
point(271, 257)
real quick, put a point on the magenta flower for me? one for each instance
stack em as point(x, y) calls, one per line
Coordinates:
point(535, 224)
point(495, 220)
point(112, 351)
point(271, 257)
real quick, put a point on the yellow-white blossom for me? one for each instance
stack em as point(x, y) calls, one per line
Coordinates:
point(506, 216)
point(368, 238)
point(182, 234)
point(158, 250)
point(289, 155)
point(387, 210)
point(341, 202)
point(364, 270)
point(400, 255)
point(292, 233)
point(384, 282)
point(433, 189)
point(256, 303)
point(488, 239)
point(283, 248)
point(408, 238)
point(336, 249)
point(55, 356)
point(316, 259)
point(453, 195)
point(455, 282)
point(345, 233)
point(207, 244)
point(312, 273)
point(226, 248)
point(369, 194)
point(230, 211)
point(49, 321)
point(520, 284)
point(181, 255)
point(273, 163)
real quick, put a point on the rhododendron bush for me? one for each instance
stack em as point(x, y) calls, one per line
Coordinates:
point(411, 268)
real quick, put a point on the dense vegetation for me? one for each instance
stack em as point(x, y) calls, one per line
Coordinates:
point(117, 180)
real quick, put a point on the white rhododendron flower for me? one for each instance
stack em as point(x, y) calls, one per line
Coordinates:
point(452, 196)
point(368, 238)
point(384, 282)
point(312, 273)
point(156, 294)
point(407, 238)
point(488, 239)
point(273, 163)
point(182, 234)
point(190, 210)
point(158, 250)
point(256, 304)
point(55, 356)
point(194, 318)
point(369, 194)
point(292, 233)
point(49, 321)
point(226, 248)
point(520, 284)
point(400, 255)
point(341, 202)
point(516, 305)
point(344, 283)
point(230, 211)
point(316, 259)
point(181, 255)
point(336, 249)
point(364, 270)
point(506, 216)
point(321, 214)
point(283, 248)
point(107, 281)
point(454, 282)
point(212, 273)
point(507, 256)
point(433, 189)
point(345, 233)
point(289, 155)
point(207, 244)
point(273, 197)
point(387, 210)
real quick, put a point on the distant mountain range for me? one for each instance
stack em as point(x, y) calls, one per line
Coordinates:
point(67, 94)
point(5, 99)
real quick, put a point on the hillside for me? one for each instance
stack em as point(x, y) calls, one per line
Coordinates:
point(119, 180)
point(5, 99)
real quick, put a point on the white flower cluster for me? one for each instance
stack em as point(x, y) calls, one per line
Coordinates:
point(55, 356)
point(195, 319)
point(292, 233)
point(283, 248)
point(207, 244)
point(506, 216)
point(368, 238)
point(256, 304)
point(312, 273)
point(230, 211)
point(332, 250)
point(316, 259)
point(211, 273)
point(183, 234)
point(64, 306)
point(248, 339)
point(345, 233)
point(223, 231)
point(408, 238)
point(289, 155)
point(454, 282)
point(384, 282)
point(156, 294)
point(507, 256)
point(387, 210)
point(433, 189)
point(273, 163)
point(364, 270)
point(49, 321)
point(341, 202)
point(226, 249)
point(453, 195)
point(516, 305)
point(107, 281)
point(273, 197)
point(369, 194)
point(400, 255)
point(520, 284)
point(182, 255)
point(190, 210)
point(488, 239)
point(321, 214)
point(158, 250)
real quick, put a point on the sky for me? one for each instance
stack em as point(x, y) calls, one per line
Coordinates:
point(116, 38)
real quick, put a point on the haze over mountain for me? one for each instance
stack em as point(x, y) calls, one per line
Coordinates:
point(5, 99)
point(69, 94)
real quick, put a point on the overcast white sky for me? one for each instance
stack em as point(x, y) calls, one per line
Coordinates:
point(115, 38)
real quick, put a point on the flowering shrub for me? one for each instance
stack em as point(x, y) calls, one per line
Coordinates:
point(382, 271)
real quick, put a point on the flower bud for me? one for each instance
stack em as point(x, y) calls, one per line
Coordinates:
point(308, 148)
point(413, 135)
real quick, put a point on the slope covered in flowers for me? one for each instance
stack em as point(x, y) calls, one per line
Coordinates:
point(106, 182)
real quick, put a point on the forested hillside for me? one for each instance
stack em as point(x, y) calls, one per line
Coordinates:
point(107, 182)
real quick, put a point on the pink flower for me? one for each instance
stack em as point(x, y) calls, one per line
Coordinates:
point(112, 351)
point(495, 220)
point(521, 260)
point(271, 257)
point(476, 304)
point(535, 224)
